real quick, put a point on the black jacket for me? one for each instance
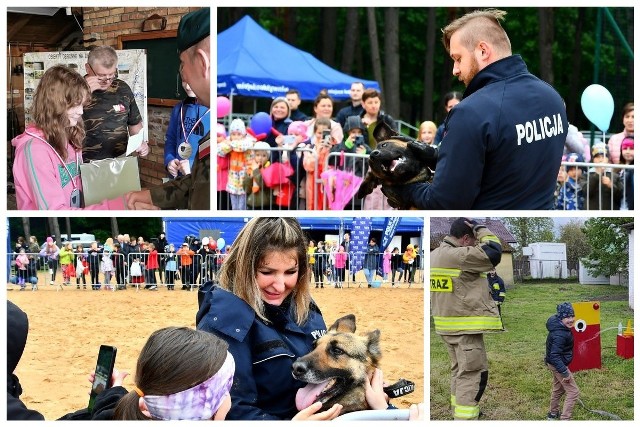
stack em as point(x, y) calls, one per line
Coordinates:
point(17, 331)
point(559, 345)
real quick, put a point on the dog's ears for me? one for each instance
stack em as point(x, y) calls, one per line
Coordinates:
point(373, 344)
point(344, 324)
point(383, 131)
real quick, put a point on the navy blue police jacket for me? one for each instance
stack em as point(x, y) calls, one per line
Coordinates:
point(502, 146)
point(263, 386)
point(559, 346)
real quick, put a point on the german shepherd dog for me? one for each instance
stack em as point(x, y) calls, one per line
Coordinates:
point(397, 160)
point(337, 367)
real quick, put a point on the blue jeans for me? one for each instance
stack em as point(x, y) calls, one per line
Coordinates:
point(370, 275)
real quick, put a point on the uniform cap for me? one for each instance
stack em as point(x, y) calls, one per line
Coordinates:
point(194, 27)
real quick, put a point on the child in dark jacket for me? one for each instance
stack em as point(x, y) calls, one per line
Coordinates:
point(558, 357)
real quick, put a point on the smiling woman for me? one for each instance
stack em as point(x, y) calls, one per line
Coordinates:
point(264, 311)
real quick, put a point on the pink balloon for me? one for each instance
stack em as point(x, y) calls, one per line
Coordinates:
point(224, 106)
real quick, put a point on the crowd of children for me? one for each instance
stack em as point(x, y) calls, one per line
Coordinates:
point(599, 187)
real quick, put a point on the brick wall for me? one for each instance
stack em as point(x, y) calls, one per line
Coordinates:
point(105, 25)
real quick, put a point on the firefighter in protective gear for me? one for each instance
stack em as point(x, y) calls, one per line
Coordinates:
point(498, 291)
point(463, 309)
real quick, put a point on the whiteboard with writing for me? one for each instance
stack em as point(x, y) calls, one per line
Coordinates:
point(132, 68)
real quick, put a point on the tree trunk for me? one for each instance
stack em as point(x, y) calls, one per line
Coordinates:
point(54, 226)
point(67, 222)
point(329, 31)
point(545, 41)
point(576, 59)
point(391, 95)
point(429, 61)
point(115, 231)
point(26, 227)
point(351, 33)
point(375, 47)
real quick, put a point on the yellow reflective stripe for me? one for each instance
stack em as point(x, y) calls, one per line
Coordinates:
point(482, 275)
point(491, 238)
point(496, 286)
point(453, 400)
point(466, 412)
point(450, 272)
point(466, 323)
point(502, 294)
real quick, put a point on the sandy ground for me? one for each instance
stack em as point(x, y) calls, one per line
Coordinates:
point(67, 327)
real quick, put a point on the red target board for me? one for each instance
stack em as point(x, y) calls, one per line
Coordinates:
point(587, 349)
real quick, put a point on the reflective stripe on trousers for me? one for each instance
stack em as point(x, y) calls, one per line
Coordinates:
point(461, 412)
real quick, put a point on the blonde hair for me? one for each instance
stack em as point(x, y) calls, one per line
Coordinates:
point(60, 89)
point(259, 237)
point(427, 125)
point(479, 25)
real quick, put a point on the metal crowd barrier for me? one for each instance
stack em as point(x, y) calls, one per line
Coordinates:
point(564, 192)
point(324, 271)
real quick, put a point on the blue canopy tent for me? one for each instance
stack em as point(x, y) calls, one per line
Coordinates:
point(228, 228)
point(253, 62)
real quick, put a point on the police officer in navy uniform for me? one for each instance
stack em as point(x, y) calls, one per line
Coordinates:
point(503, 143)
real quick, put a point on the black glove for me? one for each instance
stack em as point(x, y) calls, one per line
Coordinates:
point(395, 196)
point(427, 153)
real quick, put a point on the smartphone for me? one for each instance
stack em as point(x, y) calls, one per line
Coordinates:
point(326, 137)
point(104, 370)
point(359, 140)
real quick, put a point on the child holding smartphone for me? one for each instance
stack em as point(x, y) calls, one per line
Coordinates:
point(313, 162)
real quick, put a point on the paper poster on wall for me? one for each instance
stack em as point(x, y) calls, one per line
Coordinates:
point(132, 69)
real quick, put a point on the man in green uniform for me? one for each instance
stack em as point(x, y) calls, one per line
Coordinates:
point(463, 309)
point(190, 191)
point(112, 115)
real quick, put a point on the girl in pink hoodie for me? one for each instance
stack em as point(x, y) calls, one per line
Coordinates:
point(46, 168)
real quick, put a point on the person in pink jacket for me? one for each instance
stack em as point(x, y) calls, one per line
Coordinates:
point(615, 141)
point(46, 167)
point(386, 263)
point(340, 264)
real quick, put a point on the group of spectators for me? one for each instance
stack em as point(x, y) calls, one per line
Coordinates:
point(603, 186)
point(297, 150)
point(126, 259)
point(335, 264)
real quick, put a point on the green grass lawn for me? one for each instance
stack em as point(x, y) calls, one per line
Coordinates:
point(519, 383)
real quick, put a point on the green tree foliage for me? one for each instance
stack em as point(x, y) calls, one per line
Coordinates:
point(530, 230)
point(609, 245)
point(572, 235)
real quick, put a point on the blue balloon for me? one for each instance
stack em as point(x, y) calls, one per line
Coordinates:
point(33, 280)
point(220, 243)
point(597, 105)
point(261, 123)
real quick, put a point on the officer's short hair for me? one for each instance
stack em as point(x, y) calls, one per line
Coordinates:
point(459, 228)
